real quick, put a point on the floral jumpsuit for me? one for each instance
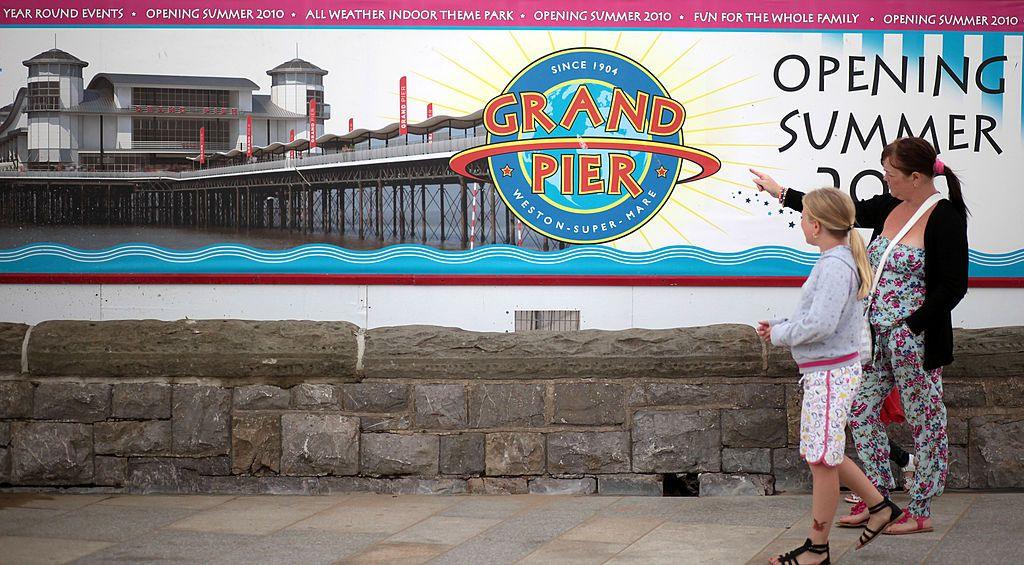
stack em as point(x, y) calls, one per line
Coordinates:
point(898, 360)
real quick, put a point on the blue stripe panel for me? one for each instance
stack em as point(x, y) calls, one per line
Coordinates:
point(417, 259)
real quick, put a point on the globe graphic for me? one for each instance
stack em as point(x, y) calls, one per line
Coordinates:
point(558, 99)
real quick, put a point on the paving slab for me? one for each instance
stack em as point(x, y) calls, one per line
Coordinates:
point(103, 523)
point(697, 543)
point(571, 552)
point(28, 550)
point(310, 547)
point(528, 529)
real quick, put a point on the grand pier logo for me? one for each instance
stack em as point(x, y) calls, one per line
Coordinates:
point(584, 145)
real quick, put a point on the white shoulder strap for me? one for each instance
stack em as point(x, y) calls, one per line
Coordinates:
point(924, 207)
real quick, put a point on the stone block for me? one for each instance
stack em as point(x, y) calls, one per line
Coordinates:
point(747, 460)
point(255, 444)
point(5, 433)
point(235, 349)
point(228, 485)
point(319, 444)
point(72, 402)
point(385, 422)
point(110, 471)
point(956, 430)
point(987, 352)
point(438, 486)
point(12, 336)
point(261, 397)
point(169, 475)
point(462, 454)
point(399, 454)
point(779, 362)
point(548, 485)
point(510, 453)
point(440, 406)
point(959, 475)
point(141, 401)
point(15, 399)
point(200, 420)
point(709, 395)
point(498, 485)
point(997, 452)
point(757, 427)
point(790, 470)
point(307, 396)
point(590, 403)
point(725, 484)
point(963, 395)
point(588, 452)
point(506, 405)
point(51, 453)
point(301, 486)
point(152, 437)
point(676, 441)
point(1006, 391)
point(163, 476)
point(794, 404)
point(375, 397)
point(427, 352)
point(5, 465)
point(630, 485)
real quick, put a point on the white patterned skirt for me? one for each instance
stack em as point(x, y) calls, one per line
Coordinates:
point(826, 407)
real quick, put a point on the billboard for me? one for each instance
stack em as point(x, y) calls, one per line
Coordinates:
point(512, 139)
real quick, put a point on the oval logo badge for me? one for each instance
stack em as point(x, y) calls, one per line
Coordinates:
point(585, 146)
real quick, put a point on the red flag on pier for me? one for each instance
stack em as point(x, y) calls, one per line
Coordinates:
point(312, 123)
point(248, 136)
point(403, 107)
point(202, 145)
point(430, 114)
point(291, 138)
point(351, 124)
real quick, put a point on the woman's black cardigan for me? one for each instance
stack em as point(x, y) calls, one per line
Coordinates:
point(945, 268)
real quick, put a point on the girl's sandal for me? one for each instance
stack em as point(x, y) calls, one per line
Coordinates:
point(852, 498)
point(920, 529)
point(895, 513)
point(808, 547)
point(859, 508)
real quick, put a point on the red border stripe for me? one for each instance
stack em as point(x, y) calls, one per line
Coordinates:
point(436, 280)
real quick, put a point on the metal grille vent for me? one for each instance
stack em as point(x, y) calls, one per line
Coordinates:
point(552, 320)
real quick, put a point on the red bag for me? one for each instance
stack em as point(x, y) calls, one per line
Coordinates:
point(892, 409)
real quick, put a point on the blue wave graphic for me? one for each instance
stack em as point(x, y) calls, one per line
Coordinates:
point(418, 259)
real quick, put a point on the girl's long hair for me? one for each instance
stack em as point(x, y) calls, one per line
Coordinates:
point(834, 209)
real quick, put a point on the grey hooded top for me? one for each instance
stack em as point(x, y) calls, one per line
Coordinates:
point(828, 323)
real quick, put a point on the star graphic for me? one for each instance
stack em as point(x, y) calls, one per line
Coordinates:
point(506, 171)
point(792, 224)
point(748, 201)
point(662, 171)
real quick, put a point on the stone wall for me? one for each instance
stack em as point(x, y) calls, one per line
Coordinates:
point(313, 407)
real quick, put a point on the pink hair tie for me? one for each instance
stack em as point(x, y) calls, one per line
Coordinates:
point(940, 167)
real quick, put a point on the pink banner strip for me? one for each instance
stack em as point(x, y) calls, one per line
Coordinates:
point(838, 15)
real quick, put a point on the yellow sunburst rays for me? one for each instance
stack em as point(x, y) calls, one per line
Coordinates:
point(476, 76)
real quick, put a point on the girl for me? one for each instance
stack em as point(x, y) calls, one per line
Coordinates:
point(824, 335)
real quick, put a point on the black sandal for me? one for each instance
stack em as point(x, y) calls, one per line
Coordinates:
point(895, 512)
point(817, 549)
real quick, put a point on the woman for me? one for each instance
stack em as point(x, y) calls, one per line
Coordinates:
point(923, 280)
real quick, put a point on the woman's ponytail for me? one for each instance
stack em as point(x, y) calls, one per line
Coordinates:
point(956, 195)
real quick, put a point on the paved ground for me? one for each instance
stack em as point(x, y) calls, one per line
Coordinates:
point(366, 528)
